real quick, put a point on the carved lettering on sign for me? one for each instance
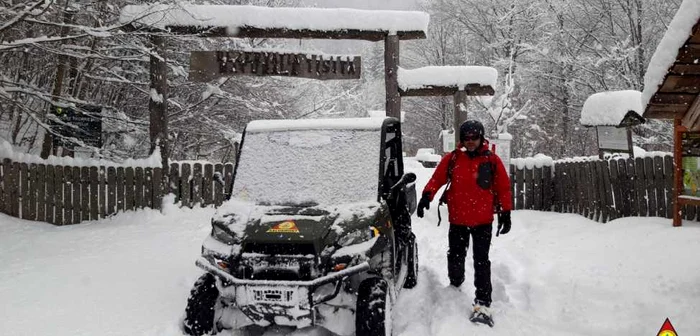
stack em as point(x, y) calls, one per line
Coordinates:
point(206, 65)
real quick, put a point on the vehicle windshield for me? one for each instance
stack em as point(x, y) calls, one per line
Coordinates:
point(305, 167)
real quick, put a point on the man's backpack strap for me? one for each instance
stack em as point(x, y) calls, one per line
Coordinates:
point(443, 197)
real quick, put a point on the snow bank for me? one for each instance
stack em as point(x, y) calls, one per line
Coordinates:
point(678, 32)
point(8, 152)
point(316, 19)
point(609, 108)
point(450, 76)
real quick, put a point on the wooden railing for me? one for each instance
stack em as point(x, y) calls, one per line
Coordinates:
point(597, 189)
point(68, 195)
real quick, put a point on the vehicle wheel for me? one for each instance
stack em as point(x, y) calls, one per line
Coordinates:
point(199, 314)
point(412, 261)
point(373, 314)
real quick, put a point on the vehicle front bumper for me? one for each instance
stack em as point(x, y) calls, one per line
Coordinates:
point(279, 302)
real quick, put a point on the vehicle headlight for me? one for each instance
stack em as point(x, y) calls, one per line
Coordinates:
point(223, 235)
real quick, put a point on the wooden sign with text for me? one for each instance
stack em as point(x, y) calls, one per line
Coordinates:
point(209, 65)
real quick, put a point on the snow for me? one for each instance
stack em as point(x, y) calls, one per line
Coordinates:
point(609, 108)
point(676, 35)
point(275, 169)
point(449, 76)
point(307, 124)
point(540, 160)
point(7, 151)
point(553, 274)
point(382, 114)
point(323, 19)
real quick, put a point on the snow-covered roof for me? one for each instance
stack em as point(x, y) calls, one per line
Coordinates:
point(308, 124)
point(610, 108)
point(678, 32)
point(283, 18)
point(446, 76)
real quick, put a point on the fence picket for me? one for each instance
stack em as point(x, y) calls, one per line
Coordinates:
point(219, 189)
point(537, 188)
point(196, 184)
point(111, 191)
point(138, 187)
point(94, 190)
point(185, 195)
point(128, 188)
point(148, 188)
point(85, 193)
point(120, 190)
point(158, 186)
point(174, 181)
point(668, 184)
point(41, 193)
point(102, 191)
point(623, 185)
point(228, 178)
point(58, 195)
point(24, 190)
point(548, 191)
point(207, 187)
point(639, 189)
point(520, 181)
point(68, 195)
point(49, 194)
point(76, 186)
point(650, 183)
point(659, 184)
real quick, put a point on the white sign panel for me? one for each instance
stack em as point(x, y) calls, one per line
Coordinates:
point(502, 149)
point(610, 137)
point(448, 141)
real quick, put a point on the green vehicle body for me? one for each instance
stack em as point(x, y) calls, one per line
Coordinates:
point(291, 264)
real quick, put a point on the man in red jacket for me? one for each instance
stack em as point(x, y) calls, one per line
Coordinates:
point(478, 184)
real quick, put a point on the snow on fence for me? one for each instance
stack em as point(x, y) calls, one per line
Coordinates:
point(598, 189)
point(68, 195)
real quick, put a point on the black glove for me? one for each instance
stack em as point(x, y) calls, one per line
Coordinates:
point(424, 203)
point(503, 223)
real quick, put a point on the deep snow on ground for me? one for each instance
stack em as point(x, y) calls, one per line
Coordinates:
point(553, 274)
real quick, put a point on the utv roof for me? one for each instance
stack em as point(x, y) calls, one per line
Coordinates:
point(258, 126)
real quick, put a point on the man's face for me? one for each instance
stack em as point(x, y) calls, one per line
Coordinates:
point(471, 142)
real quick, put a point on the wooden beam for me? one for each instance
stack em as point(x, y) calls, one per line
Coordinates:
point(684, 69)
point(672, 99)
point(688, 54)
point(665, 111)
point(460, 112)
point(391, 76)
point(681, 84)
point(695, 37)
point(253, 32)
point(691, 116)
point(436, 91)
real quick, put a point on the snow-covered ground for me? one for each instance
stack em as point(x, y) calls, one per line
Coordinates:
point(553, 274)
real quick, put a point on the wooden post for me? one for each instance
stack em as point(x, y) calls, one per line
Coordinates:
point(677, 172)
point(391, 79)
point(157, 105)
point(460, 112)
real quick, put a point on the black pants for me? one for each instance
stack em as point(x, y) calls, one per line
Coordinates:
point(457, 253)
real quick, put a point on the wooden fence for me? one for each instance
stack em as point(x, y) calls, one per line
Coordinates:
point(68, 195)
point(600, 190)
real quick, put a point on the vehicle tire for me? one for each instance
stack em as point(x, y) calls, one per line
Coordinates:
point(412, 261)
point(199, 314)
point(373, 313)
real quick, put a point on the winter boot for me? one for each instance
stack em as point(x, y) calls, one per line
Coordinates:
point(481, 314)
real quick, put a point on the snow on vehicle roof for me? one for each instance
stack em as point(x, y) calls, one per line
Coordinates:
point(451, 76)
point(326, 19)
point(610, 108)
point(314, 124)
point(678, 32)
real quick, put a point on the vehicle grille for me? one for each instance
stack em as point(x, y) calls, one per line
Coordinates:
point(280, 249)
point(272, 295)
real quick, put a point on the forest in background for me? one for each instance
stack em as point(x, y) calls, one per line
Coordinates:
point(550, 54)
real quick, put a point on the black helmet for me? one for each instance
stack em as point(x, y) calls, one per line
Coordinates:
point(471, 128)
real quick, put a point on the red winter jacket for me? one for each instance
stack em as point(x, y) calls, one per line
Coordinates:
point(478, 184)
